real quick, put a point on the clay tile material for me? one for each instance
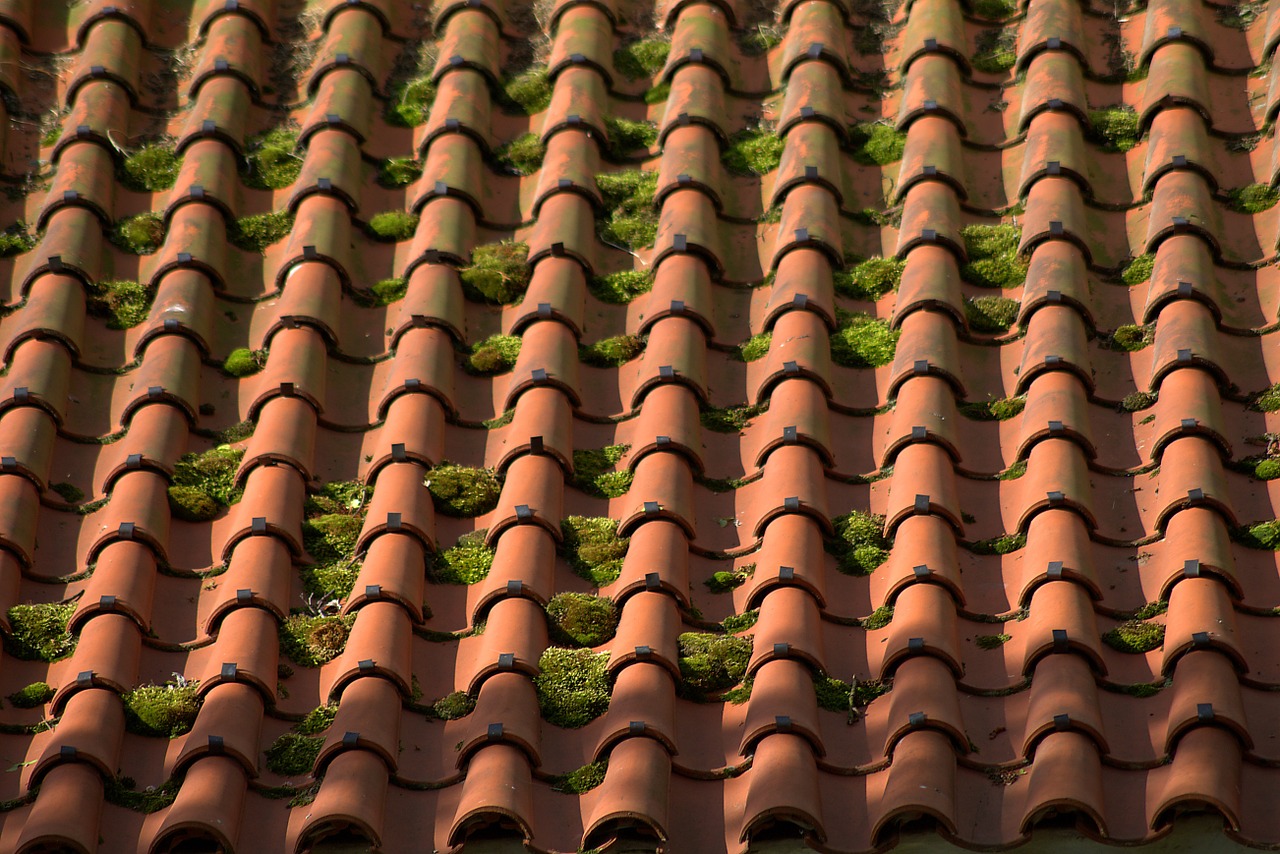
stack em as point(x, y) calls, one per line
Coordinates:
point(1054, 83)
point(925, 553)
point(498, 790)
point(924, 625)
point(1060, 621)
point(351, 801)
point(230, 724)
point(662, 489)
point(647, 631)
point(800, 345)
point(108, 651)
point(781, 701)
point(369, 709)
point(377, 646)
point(91, 730)
point(644, 694)
point(932, 153)
point(1066, 776)
point(1201, 678)
point(1200, 617)
point(1057, 408)
point(1186, 336)
point(401, 504)
point(209, 806)
point(261, 566)
point(1063, 697)
point(1198, 534)
point(393, 568)
point(124, 581)
point(1057, 547)
point(924, 697)
point(1057, 479)
point(668, 422)
point(791, 555)
point(789, 628)
point(1055, 341)
point(523, 565)
point(66, 814)
point(1205, 773)
point(509, 701)
point(932, 87)
point(514, 638)
point(1191, 474)
point(636, 790)
point(930, 282)
point(783, 789)
point(922, 781)
point(657, 557)
point(929, 487)
point(928, 346)
point(925, 412)
point(532, 494)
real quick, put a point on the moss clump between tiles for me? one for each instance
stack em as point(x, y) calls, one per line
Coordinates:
point(203, 484)
point(68, 492)
point(522, 155)
point(611, 352)
point(993, 256)
point(243, 362)
point(994, 410)
point(995, 50)
point(1138, 270)
point(465, 562)
point(754, 348)
point(860, 545)
point(335, 514)
point(463, 491)
point(396, 172)
point(1242, 14)
point(621, 287)
point(730, 419)
point(755, 151)
point(121, 792)
point(862, 341)
point(1253, 199)
point(580, 619)
point(727, 580)
point(642, 58)
point(595, 471)
point(711, 663)
point(16, 239)
point(1267, 401)
point(1130, 338)
point(991, 314)
point(292, 754)
point(272, 159)
point(572, 686)
point(496, 354)
point(877, 143)
point(255, 233)
point(593, 548)
point(738, 623)
point(453, 706)
point(410, 102)
point(39, 632)
point(581, 780)
point(870, 279)
point(1264, 536)
point(992, 641)
point(528, 92)
point(1135, 636)
point(139, 235)
point(151, 168)
point(124, 304)
point(387, 291)
point(498, 273)
point(628, 196)
point(163, 711)
point(996, 10)
point(310, 641)
point(628, 135)
point(1001, 545)
point(317, 720)
point(1115, 128)
point(836, 695)
point(1136, 401)
point(33, 695)
point(391, 226)
point(759, 39)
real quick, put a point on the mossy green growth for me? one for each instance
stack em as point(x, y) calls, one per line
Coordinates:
point(121, 792)
point(860, 545)
point(595, 471)
point(494, 355)
point(730, 419)
point(1267, 401)
point(755, 151)
point(1260, 535)
point(991, 314)
point(243, 362)
point(1138, 270)
point(124, 304)
point(996, 10)
point(755, 347)
point(593, 548)
point(139, 235)
point(317, 720)
point(164, 711)
point(992, 641)
point(338, 496)
point(1001, 545)
point(1255, 198)
point(611, 352)
point(465, 562)
point(39, 632)
point(711, 662)
point(312, 641)
point(68, 492)
point(1135, 636)
point(1136, 401)
point(273, 161)
point(572, 686)
point(453, 706)
point(836, 695)
point(16, 239)
point(1015, 471)
point(658, 94)
point(1130, 338)
point(330, 539)
point(499, 272)
point(877, 619)
point(760, 39)
point(292, 754)
point(255, 233)
point(738, 623)
point(152, 167)
point(580, 619)
point(582, 779)
point(993, 256)
point(463, 491)
point(1242, 14)
point(877, 143)
point(410, 102)
point(631, 220)
point(1115, 128)
point(862, 341)
point(726, 580)
point(870, 279)
point(994, 410)
point(529, 91)
point(204, 483)
point(386, 291)
point(522, 155)
point(621, 287)
point(642, 58)
point(995, 50)
point(391, 226)
point(33, 695)
point(628, 135)
point(396, 172)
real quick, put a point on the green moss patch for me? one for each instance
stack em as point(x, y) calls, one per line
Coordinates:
point(643, 58)
point(870, 279)
point(1268, 400)
point(164, 711)
point(737, 623)
point(1138, 270)
point(16, 239)
point(622, 287)
point(755, 151)
point(1260, 535)
point(386, 291)
point(255, 233)
point(528, 92)
point(860, 545)
point(391, 226)
point(34, 695)
point(1130, 338)
point(317, 720)
point(1136, 401)
point(991, 314)
point(243, 362)
point(1001, 545)
point(992, 641)
point(396, 172)
point(499, 272)
point(39, 632)
point(572, 686)
point(453, 706)
point(658, 94)
point(1255, 198)
point(292, 754)
point(595, 471)
point(593, 548)
point(995, 10)
point(612, 352)
point(124, 304)
point(494, 355)
point(313, 641)
point(465, 562)
point(631, 220)
point(836, 695)
point(463, 491)
point(122, 792)
point(1241, 15)
point(582, 779)
point(726, 580)
point(203, 484)
point(522, 155)
point(580, 619)
point(710, 663)
point(272, 159)
point(730, 419)
point(339, 496)
point(1115, 128)
point(139, 235)
point(152, 167)
point(994, 410)
point(755, 347)
point(628, 135)
point(1135, 636)
point(410, 102)
point(862, 341)
point(760, 39)
point(330, 539)
point(995, 50)
point(993, 256)
point(68, 492)
point(1013, 472)
point(877, 143)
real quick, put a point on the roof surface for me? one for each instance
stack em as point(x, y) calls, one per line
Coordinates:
point(892, 451)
